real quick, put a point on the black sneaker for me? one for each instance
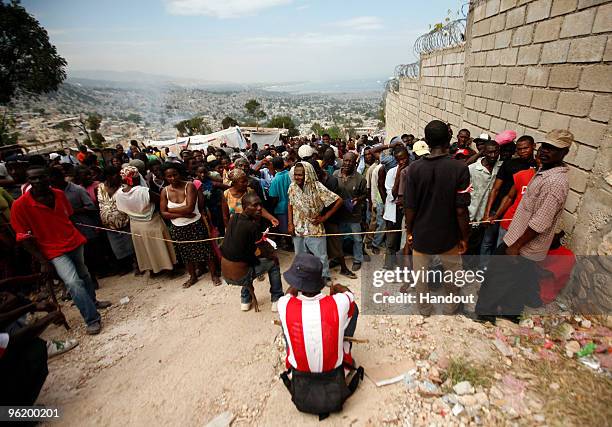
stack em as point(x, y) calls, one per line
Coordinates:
point(356, 266)
point(101, 305)
point(94, 328)
point(348, 273)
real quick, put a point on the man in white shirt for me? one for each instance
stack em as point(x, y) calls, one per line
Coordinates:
point(394, 212)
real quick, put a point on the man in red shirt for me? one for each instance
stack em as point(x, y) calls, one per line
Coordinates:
point(314, 326)
point(41, 220)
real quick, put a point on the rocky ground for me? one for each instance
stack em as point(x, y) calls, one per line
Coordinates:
point(173, 356)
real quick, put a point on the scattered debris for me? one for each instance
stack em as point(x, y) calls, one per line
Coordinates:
point(464, 387)
point(224, 419)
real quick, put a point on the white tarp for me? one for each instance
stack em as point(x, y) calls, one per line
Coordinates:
point(231, 136)
point(263, 138)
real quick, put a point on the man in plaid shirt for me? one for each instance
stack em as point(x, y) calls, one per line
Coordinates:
point(512, 282)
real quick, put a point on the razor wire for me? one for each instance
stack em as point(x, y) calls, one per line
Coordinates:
point(441, 37)
point(392, 85)
point(408, 70)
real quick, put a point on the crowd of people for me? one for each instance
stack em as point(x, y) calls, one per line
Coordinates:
point(433, 202)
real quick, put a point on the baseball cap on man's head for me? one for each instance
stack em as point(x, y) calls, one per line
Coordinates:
point(420, 148)
point(505, 137)
point(559, 138)
point(305, 273)
point(305, 151)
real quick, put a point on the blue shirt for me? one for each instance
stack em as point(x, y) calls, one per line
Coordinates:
point(278, 188)
point(388, 161)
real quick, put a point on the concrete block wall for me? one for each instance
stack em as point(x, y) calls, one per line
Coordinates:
point(531, 66)
point(442, 86)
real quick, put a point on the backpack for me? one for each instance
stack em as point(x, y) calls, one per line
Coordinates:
point(320, 393)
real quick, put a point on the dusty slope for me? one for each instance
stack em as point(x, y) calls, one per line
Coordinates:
point(180, 357)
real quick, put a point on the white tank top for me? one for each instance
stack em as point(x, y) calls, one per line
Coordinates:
point(183, 221)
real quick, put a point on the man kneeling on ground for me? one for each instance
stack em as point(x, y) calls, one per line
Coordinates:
point(314, 326)
point(241, 261)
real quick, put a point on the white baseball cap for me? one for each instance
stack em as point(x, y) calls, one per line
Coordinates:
point(305, 151)
point(420, 148)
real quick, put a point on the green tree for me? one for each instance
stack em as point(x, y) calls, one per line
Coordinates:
point(8, 135)
point(97, 139)
point(284, 122)
point(28, 62)
point(134, 118)
point(334, 132)
point(317, 129)
point(228, 122)
point(380, 115)
point(193, 126)
point(254, 110)
point(64, 126)
point(93, 121)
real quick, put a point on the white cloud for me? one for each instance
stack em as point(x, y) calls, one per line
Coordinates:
point(221, 8)
point(361, 23)
point(305, 39)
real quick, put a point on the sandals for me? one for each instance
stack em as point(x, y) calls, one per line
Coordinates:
point(190, 282)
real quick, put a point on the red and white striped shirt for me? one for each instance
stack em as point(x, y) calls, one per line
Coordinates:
point(4, 341)
point(314, 328)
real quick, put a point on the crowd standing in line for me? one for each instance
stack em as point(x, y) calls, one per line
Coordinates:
point(430, 202)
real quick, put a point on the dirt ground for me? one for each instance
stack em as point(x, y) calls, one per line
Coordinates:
point(174, 356)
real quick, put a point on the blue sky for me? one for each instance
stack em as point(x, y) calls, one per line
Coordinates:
point(243, 41)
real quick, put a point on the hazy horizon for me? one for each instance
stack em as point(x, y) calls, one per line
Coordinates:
point(239, 41)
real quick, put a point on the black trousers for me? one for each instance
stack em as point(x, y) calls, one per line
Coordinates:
point(511, 282)
point(23, 371)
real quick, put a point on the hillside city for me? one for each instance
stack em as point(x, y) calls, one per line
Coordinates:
point(151, 113)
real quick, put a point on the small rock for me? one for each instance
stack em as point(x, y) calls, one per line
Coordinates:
point(503, 348)
point(605, 360)
point(409, 381)
point(428, 388)
point(124, 300)
point(564, 331)
point(482, 399)
point(586, 323)
point(468, 400)
point(224, 419)
point(571, 348)
point(554, 386)
point(450, 399)
point(539, 418)
point(457, 409)
point(464, 387)
point(591, 362)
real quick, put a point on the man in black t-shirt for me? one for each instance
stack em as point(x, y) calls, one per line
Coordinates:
point(436, 200)
point(525, 147)
point(246, 255)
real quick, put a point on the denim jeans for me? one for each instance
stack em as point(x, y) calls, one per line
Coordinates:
point(354, 227)
point(380, 226)
point(265, 266)
point(314, 245)
point(71, 268)
point(500, 235)
point(489, 244)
